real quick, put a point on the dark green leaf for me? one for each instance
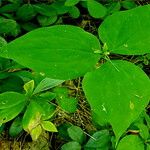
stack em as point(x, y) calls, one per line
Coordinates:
point(7, 26)
point(46, 21)
point(16, 127)
point(60, 7)
point(3, 48)
point(11, 83)
point(26, 12)
point(45, 10)
point(71, 146)
point(62, 131)
point(28, 26)
point(74, 12)
point(128, 4)
point(76, 134)
point(9, 8)
point(71, 2)
point(99, 141)
point(113, 7)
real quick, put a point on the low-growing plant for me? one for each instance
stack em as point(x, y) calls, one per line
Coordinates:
point(18, 16)
point(117, 90)
point(79, 139)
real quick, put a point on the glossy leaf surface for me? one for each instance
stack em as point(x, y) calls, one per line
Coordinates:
point(63, 51)
point(120, 92)
point(127, 32)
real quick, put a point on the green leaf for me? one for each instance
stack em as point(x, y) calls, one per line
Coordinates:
point(147, 119)
point(10, 99)
point(60, 52)
point(99, 140)
point(48, 109)
point(15, 1)
point(45, 10)
point(9, 8)
point(26, 76)
point(71, 146)
point(113, 7)
point(62, 131)
point(8, 114)
point(11, 83)
point(26, 12)
point(46, 84)
point(117, 92)
point(49, 126)
point(96, 9)
point(2, 126)
point(29, 26)
point(127, 32)
point(60, 7)
point(143, 130)
point(3, 47)
point(32, 116)
point(36, 132)
point(128, 4)
point(74, 12)
point(16, 127)
point(131, 142)
point(7, 26)
point(148, 147)
point(46, 21)
point(71, 2)
point(48, 95)
point(29, 87)
point(76, 134)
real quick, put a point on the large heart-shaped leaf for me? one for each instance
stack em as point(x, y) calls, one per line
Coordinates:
point(117, 92)
point(61, 51)
point(127, 32)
